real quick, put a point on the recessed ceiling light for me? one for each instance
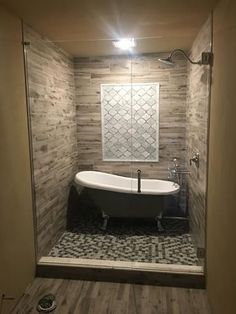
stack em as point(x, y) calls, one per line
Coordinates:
point(124, 43)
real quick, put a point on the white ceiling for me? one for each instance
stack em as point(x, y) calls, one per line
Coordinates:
point(86, 27)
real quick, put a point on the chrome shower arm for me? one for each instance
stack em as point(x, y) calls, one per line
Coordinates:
point(175, 51)
point(206, 58)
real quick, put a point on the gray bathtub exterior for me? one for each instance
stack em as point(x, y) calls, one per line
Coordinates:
point(125, 205)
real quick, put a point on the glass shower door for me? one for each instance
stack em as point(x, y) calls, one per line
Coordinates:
point(80, 118)
point(145, 157)
point(145, 119)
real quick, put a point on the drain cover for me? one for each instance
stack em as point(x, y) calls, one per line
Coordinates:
point(46, 304)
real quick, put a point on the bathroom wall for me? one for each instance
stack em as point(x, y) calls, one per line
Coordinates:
point(91, 72)
point(197, 133)
point(52, 112)
point(17, 261)
point(221, 210)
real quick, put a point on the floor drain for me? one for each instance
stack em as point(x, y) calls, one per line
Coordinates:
point(47, 304)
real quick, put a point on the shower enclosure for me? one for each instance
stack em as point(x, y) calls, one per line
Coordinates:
point(121, 113)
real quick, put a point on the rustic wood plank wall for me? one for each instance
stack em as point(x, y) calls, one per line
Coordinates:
point(90, 73)
point(52, 114)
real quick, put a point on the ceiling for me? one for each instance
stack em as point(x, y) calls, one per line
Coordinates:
point(86, 27)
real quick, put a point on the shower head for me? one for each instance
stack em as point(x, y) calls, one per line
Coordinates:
point(167, 60)
point(206, 58)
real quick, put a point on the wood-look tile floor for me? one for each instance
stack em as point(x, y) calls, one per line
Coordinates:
point(84, 297)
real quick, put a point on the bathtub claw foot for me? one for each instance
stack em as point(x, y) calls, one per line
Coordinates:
point(159, 225)
point(105, 222)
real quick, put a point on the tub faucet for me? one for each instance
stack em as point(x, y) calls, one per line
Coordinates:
point(139, 181)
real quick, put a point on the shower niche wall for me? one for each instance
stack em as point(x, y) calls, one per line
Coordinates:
point(116, 114)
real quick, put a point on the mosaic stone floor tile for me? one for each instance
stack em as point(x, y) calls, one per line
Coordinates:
point(128, 241)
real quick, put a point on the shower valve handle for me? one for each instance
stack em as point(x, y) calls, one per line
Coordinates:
point(195, 159)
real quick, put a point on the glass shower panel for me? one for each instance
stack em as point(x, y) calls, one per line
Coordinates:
point(164, 117)
point(94, 108)
point(116, 113)
point(79, 101)
point(145, 118)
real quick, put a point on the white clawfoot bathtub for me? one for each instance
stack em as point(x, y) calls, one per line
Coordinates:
point(117, 196)
point(110, 182)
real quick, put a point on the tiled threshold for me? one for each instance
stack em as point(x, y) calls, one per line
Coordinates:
point(122, 271)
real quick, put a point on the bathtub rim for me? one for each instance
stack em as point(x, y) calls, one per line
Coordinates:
point(115, 188)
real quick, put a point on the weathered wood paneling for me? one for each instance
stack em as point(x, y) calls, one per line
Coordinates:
point(91, 72)
point(52, 114)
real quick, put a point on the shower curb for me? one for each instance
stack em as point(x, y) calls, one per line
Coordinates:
point(122, 272)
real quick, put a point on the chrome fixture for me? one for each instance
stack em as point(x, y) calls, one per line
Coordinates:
point(173, 175)
point(195, 159)
point(176, 164)
point(139, 181)
point(206, 58)
point(175, 171)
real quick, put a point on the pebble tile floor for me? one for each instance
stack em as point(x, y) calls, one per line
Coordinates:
point(128, 240)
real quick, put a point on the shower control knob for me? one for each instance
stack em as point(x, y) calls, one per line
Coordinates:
point(195, 159)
